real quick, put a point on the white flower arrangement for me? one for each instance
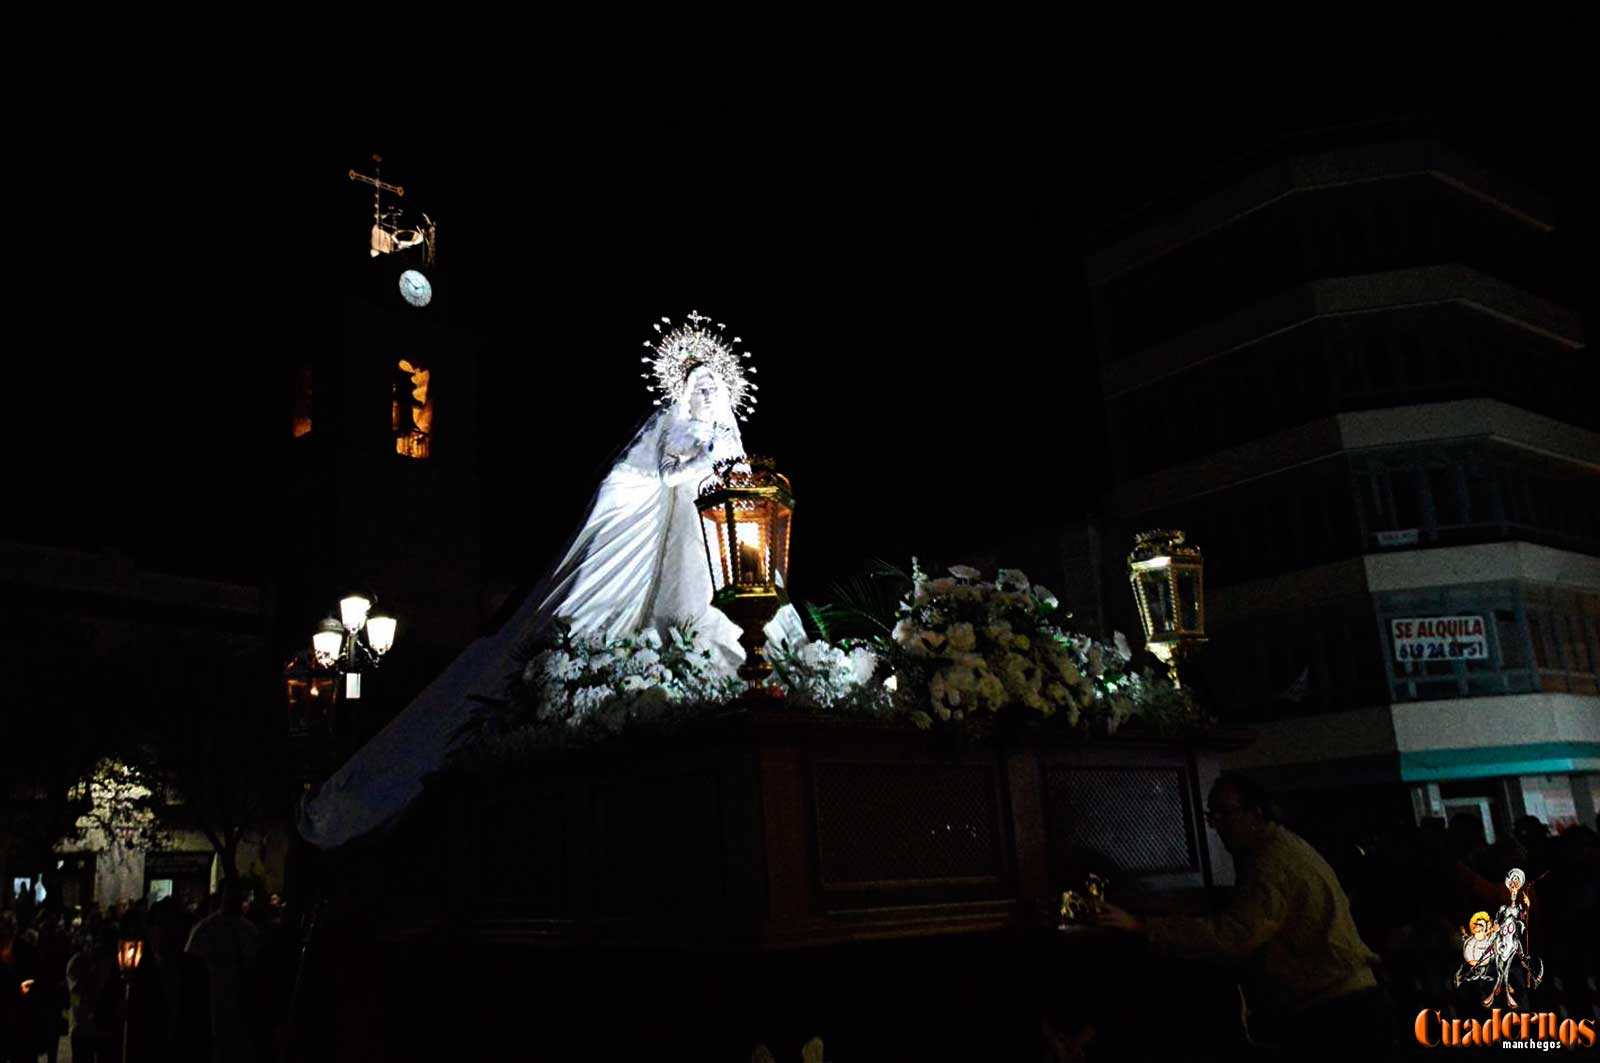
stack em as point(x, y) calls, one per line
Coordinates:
point(963, 649)
point(587, 684)
point(819, 675)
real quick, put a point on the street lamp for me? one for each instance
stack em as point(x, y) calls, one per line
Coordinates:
point(129, 952)
point(1168, 578)
point(745, 514)
point(380, 634)
point(358, 639)
point(328, 642)
point(353, 610)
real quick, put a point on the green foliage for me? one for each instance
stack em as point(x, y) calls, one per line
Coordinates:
point(861, 606)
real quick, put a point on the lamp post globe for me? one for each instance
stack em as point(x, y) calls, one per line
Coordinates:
point(353, 609)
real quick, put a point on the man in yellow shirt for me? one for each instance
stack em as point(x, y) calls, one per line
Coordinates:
point(1309, 980)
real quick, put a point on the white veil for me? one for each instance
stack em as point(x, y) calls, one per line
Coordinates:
point(637, 560)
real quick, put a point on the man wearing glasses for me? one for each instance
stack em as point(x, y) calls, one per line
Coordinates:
point(1288, 926)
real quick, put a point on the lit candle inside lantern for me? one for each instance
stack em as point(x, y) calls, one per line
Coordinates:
point(752, 562)
point(745, 517)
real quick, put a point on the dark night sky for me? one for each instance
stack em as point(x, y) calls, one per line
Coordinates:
point(910, 278)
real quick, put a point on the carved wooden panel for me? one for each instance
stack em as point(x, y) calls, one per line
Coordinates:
point(906, 823)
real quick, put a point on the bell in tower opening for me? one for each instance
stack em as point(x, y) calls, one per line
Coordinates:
point(411, 409)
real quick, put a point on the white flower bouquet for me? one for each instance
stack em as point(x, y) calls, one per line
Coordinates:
point(820, 675)
point(967, 650)
point(592, 687)
point(958, 650)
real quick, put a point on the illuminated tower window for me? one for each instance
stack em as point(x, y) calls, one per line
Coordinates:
point(411, 410)
point(302, 401)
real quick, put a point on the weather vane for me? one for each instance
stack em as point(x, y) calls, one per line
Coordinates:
point(389, 235)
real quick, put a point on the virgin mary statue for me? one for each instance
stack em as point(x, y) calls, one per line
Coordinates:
point(636, 562)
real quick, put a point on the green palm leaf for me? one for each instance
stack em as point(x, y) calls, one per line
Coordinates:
point(865, 605)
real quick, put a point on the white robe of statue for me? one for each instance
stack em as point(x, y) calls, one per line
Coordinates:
point(638, 561)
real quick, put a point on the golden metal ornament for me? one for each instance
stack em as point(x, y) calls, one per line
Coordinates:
point(679, 349)
point(1167, 575)
point(1078, 908)
point(745, 517)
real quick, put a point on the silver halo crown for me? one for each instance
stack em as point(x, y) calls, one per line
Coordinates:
point(678, 350)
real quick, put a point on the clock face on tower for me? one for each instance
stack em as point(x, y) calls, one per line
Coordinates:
point(414, 288)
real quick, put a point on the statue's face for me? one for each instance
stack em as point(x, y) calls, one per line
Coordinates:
point(707, 394)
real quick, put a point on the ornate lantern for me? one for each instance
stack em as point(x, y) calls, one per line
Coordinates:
point(129, 952)
point(745, 518)
point(1168, 577)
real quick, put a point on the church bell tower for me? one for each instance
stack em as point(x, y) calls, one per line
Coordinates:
point(379, 429)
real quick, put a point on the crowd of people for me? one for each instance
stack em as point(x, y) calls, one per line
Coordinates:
point(210, 985)
point(1416, 893)
point(1351, 934)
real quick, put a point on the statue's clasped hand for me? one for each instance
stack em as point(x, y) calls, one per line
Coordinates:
point(724, 447)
